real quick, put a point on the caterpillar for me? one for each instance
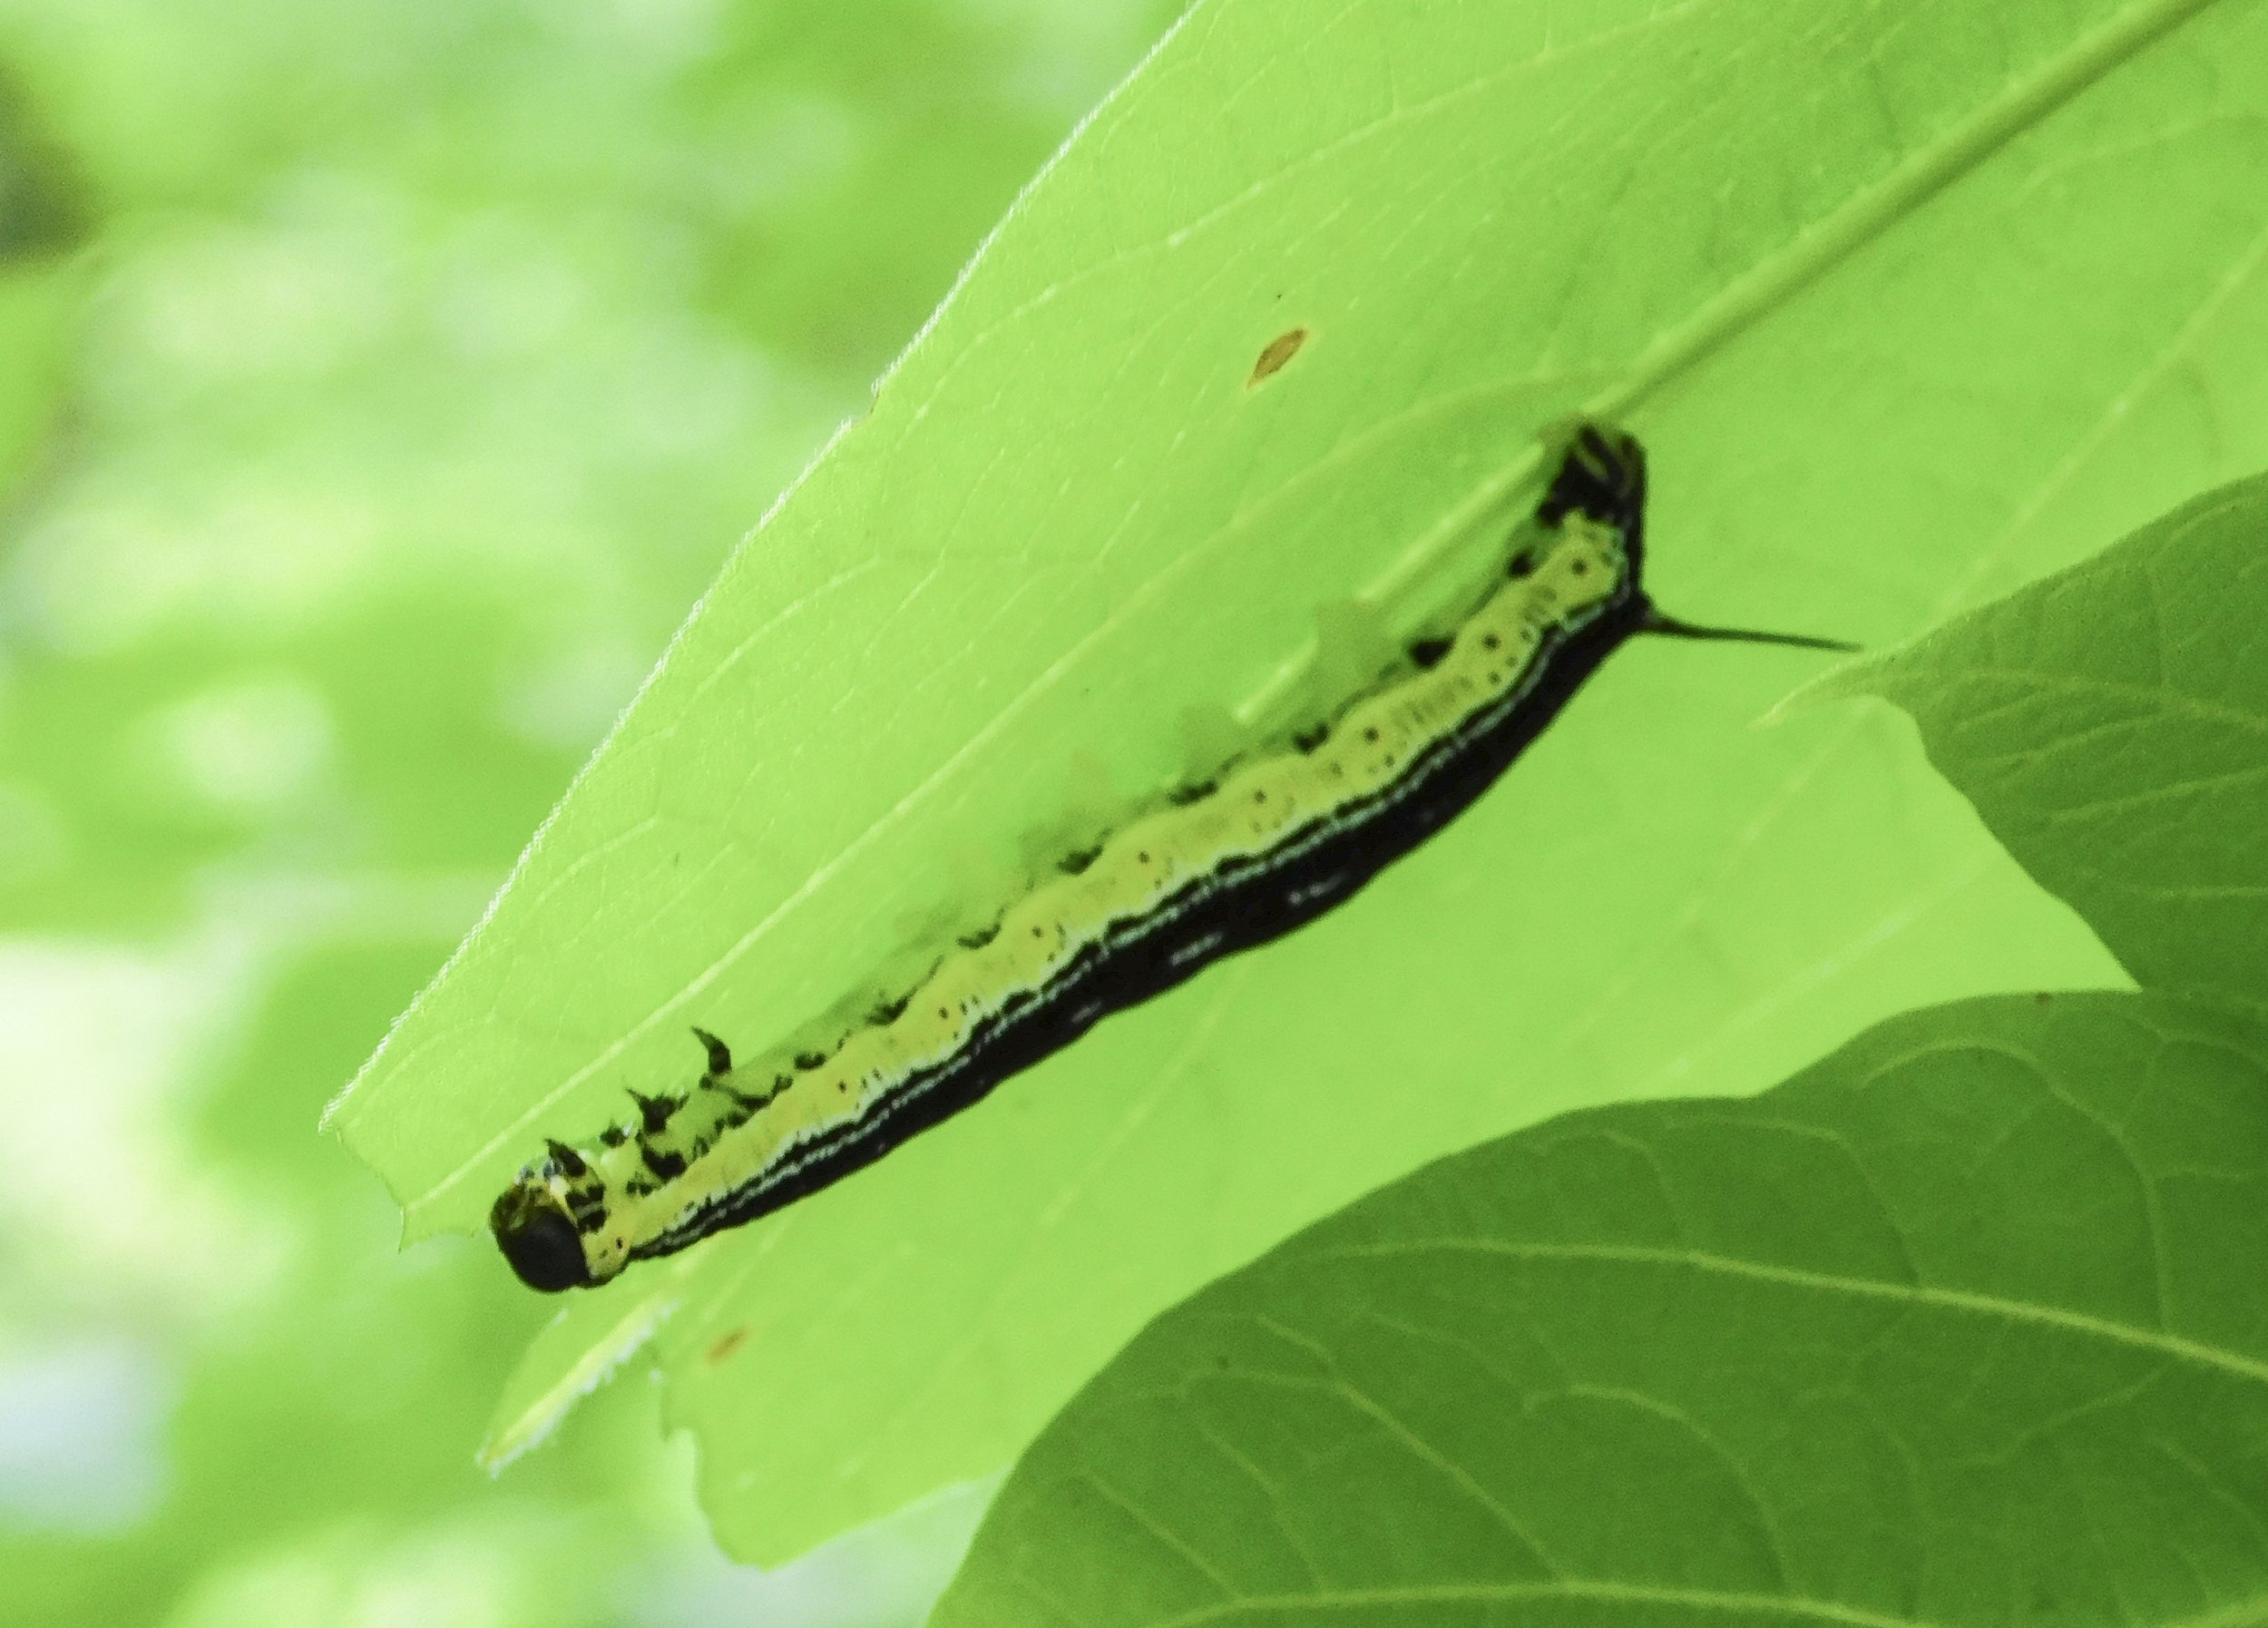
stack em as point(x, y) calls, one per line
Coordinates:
point(1220, 865)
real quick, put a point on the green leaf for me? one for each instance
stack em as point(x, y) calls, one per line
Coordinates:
point(1967, 1324)
point(2111, 726)
point(1823, 259)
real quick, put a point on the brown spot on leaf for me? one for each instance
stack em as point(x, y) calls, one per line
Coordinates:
point(731, 1341)
point(1275, 354)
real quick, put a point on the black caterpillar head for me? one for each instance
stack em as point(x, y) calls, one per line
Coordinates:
point(538, 1237)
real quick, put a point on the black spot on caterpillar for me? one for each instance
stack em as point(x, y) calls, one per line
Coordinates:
point(720, 1055)
point(1295, 832)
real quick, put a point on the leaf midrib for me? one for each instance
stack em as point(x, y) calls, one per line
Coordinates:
point(2197, 1353)
point(2239, 1613)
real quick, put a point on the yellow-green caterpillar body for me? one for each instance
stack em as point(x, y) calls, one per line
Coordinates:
point(1263, 848)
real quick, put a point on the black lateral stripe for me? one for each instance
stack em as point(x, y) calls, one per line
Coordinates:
point(1237, 907)
point(1509, 669)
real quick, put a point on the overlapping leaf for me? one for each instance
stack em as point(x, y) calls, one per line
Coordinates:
point(2111, 725)
point(1967, 1324)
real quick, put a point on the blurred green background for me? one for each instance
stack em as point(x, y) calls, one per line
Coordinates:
point(382, 383)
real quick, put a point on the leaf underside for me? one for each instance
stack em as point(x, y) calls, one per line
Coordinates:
point(1822, 257)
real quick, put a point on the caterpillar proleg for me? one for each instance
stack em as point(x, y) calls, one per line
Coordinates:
point(1243, 856)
